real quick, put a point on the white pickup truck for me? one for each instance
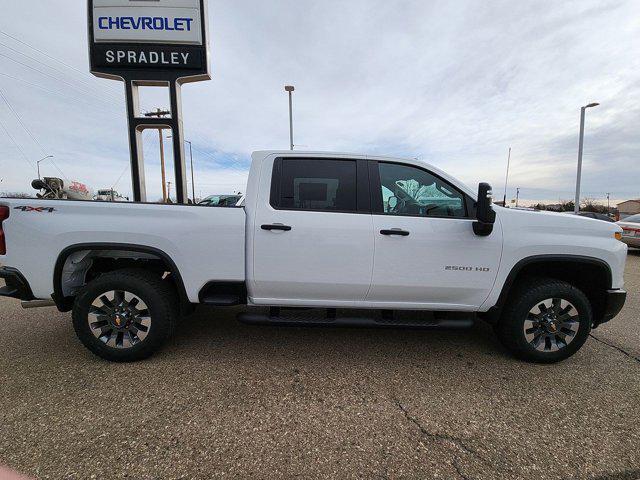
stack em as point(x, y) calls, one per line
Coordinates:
point(323, 238)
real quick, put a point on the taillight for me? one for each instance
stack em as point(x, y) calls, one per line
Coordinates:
point(4, 214)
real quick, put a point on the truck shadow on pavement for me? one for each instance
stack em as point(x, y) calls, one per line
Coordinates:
point(212, 328)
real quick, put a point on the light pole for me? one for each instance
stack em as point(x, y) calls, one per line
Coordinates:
point(193, 184)
point(159, 113)
point(290, 89)
point(576, 206)
point(42, 160)
point(517, 196)
point(506, 181)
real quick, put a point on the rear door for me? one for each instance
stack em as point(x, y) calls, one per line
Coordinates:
point(426, 254)
point(313, 230)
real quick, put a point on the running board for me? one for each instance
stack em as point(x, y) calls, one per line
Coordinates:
point(299, 317)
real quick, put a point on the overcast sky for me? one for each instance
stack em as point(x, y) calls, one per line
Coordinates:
point(455, 83)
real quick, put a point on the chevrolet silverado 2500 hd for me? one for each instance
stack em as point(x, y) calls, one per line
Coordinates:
point(359, 239)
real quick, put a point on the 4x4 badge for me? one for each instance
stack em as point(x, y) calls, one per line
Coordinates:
point(36, 209)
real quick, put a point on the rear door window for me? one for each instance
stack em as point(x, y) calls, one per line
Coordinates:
point(315, 185)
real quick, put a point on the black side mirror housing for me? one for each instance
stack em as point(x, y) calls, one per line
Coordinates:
point(485, 215)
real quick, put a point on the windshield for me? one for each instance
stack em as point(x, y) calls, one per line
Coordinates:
point(632, 219)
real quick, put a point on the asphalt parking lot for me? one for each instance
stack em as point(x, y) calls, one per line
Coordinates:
point(228, 400)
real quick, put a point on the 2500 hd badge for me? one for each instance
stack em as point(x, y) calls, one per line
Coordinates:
point(454, 268)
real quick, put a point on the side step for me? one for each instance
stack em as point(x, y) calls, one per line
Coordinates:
point(313, 317)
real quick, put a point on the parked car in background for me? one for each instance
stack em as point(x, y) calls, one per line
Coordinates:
point(631, 230)
point(221, 201)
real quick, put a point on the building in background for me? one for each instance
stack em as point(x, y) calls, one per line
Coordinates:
point(628, 208)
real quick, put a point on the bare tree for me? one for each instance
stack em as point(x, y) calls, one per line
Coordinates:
point(590, 205)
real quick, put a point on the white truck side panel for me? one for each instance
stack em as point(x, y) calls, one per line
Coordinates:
point(528, 234)
point(205, 243)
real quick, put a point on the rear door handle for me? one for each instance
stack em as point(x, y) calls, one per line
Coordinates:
point(277, 226)
point(395, 231)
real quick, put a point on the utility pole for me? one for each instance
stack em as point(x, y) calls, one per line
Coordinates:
point(169, 194)
point(517, 196)
point(506, 181)
point(290, 89)
point(160, 114)
point(576, 206)
point(608, 207)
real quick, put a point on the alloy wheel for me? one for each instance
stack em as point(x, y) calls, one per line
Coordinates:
point(119, 319)
point(551, 325)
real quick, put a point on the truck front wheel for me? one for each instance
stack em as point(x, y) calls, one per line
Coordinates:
point(545, 321)
point(125, 315)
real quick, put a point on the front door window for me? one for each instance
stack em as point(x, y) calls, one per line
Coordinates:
point(415, 192)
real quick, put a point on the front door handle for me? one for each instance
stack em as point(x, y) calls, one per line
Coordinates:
point(277, 226)
point(395, 231)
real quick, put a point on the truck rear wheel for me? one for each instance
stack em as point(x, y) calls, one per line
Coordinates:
point(125, 315)
point(545, 321)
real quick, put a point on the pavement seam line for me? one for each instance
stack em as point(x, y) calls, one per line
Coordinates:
point(455, 441)
point(621, 350)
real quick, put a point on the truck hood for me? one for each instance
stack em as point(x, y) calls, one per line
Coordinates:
point(556, 223)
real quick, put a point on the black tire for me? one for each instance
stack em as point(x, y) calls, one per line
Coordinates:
point(530, 293)
point(158, 295)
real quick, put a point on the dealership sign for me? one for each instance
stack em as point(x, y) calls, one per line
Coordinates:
point(149, 39)
point(160, 43)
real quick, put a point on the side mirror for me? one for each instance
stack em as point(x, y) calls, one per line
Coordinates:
point(485, 215)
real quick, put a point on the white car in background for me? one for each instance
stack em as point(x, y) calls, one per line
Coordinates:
point(631, 230)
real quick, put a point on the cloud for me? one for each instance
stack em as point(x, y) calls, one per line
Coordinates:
point(454, 83)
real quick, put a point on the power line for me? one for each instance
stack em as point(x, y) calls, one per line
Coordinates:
point(83, 82)
point(59, 170)
point(13, 140)
point(60, 93)
point(120, 177)
point(241, 169)
point(26, 129)
point(49, 75)
point(46, 54)
point(236, 166)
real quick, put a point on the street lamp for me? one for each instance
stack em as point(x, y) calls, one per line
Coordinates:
point(290, 89)
point(42, 160)
point(193, 185)
point(576, 206)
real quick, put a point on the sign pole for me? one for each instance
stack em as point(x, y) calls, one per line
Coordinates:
point(178, 143)
point(135, 142)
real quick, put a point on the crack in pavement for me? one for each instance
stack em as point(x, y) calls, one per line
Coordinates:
point(621, 350)
point(459, 471)
point(455, 441)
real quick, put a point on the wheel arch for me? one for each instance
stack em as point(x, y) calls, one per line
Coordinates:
point(592, 275)
point(65, 302)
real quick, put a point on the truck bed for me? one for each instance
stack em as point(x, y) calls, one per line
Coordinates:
point(202, 241)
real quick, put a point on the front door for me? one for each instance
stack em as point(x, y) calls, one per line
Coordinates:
point(313, 241)
point(426, 254)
